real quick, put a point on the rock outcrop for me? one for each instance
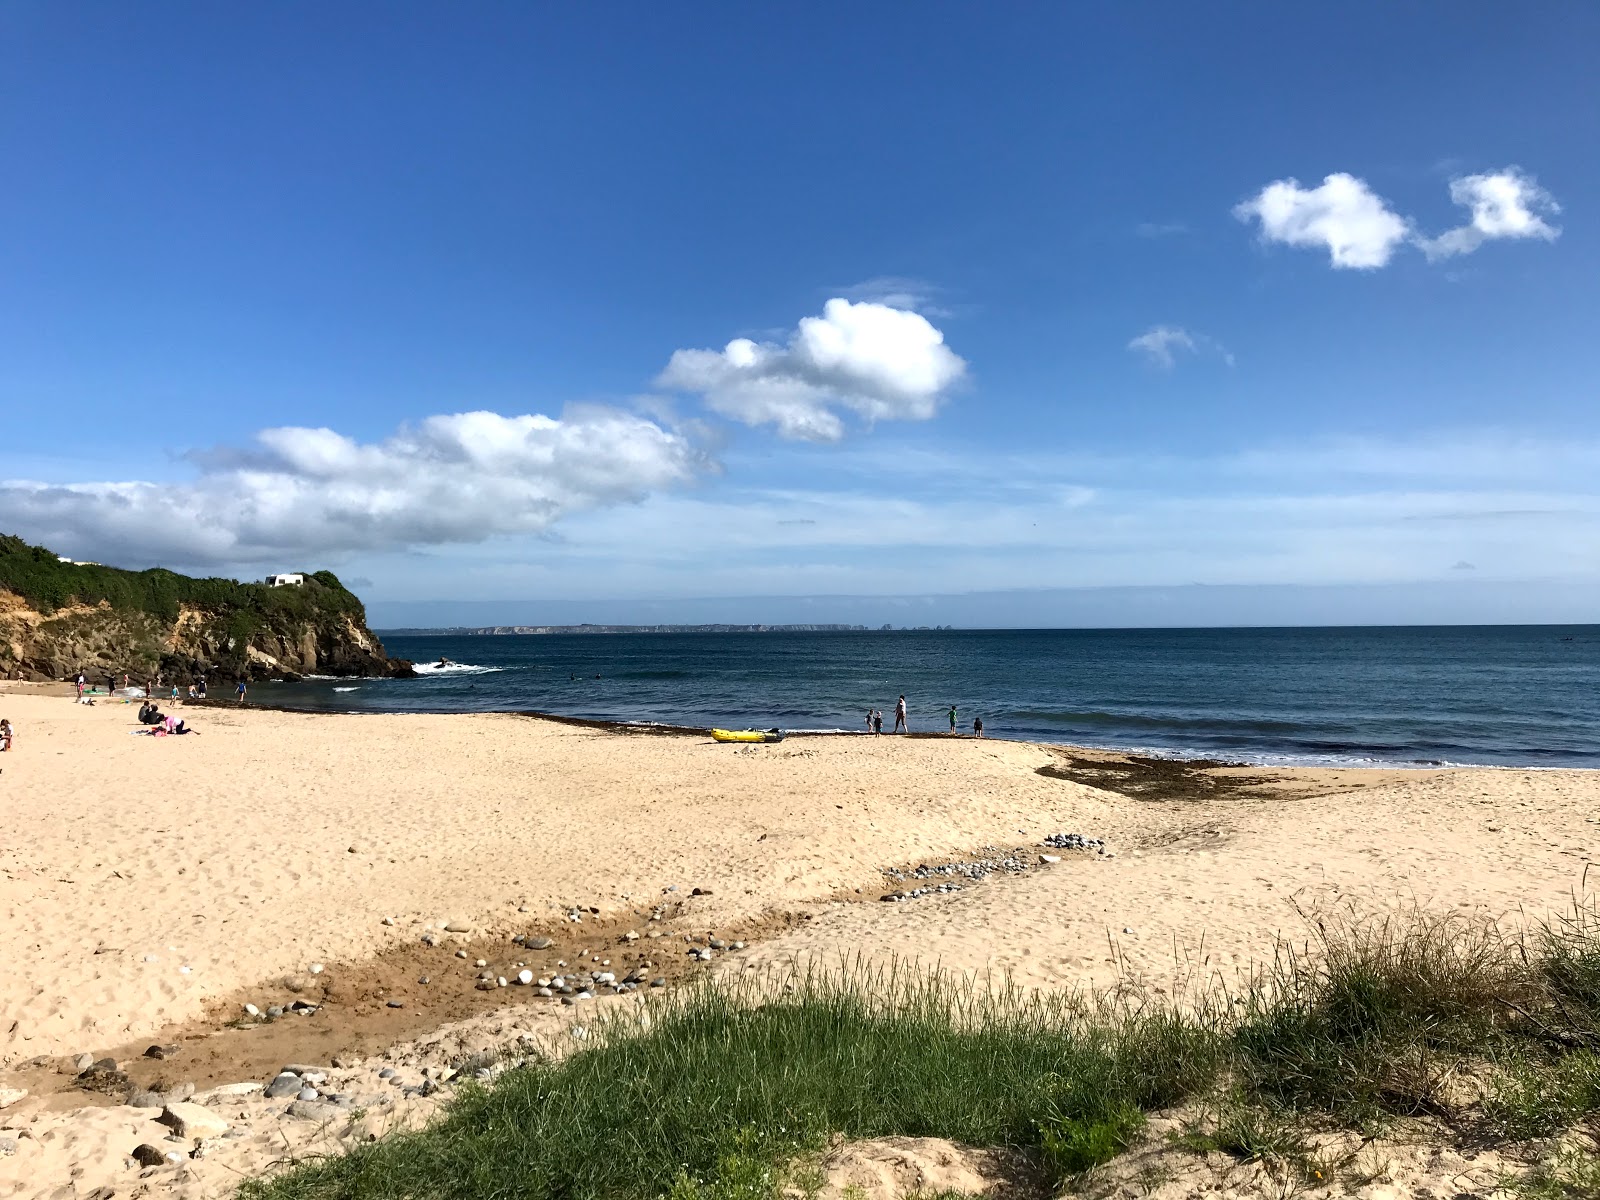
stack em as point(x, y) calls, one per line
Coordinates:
point(57, 619)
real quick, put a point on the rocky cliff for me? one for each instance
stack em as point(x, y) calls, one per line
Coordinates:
point(59, 618)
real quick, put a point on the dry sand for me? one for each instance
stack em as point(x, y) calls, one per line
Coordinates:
point(149, 885)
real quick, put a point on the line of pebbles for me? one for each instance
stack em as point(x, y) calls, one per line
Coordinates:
point(990, 860)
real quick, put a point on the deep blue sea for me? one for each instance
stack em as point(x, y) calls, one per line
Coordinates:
point(1504, 695)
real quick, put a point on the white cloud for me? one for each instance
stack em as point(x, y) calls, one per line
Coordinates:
point(1504, 204)
point(1159, 342)
point(1361, 231)
point(301, 494)
point(1356, 225)
point(875, 360)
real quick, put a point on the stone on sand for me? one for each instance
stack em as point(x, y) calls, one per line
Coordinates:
point(193, 1120)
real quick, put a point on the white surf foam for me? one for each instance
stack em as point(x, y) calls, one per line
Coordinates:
point(454, 668)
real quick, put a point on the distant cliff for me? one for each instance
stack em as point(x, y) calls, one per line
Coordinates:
point(58, 618)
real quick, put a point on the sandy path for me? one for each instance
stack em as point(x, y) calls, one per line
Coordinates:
point(273, 840)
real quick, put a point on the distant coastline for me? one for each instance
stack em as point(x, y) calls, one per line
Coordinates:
point(504, 630)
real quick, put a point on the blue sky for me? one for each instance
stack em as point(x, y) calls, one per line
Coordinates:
point(1027, 301)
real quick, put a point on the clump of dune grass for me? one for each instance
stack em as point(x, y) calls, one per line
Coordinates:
point(717, 1092)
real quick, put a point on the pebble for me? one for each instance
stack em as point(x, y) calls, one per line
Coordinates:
point(316, 968)
point(147, 1155)
point(423, 979)
point(250, 1010)
point(1049, 858)
point(275, 1011)
point(457, 927)
point(306, 1093)
point(397, 1003)
point(286, 1084)
point(8, 1146)
point(388, 920)
point(463, 954)
point(144, 1099)
point(193, 1121)
point(386, 1073)
point(481, 963)
point(546, 991)
point(538, 943)
point(160, 1051)
point(525, 977)
point(500, 981)
point(82, 1063)
point(699, 891)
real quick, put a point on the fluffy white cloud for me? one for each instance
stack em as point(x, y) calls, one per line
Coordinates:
point(880, 362)
point(1159, 342)
point(1361, 231)
point(1504, 204)
point(1344, 214)
point(303, 493)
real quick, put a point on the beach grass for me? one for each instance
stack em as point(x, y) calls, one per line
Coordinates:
point(731, 1091)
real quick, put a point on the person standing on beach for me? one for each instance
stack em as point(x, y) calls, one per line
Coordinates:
point(952, 718)
point(977, 726)
point(240, 689)
point(901, 725)
point(80, 681)
point(869, 720)
point(200, 684)
point(877, 720)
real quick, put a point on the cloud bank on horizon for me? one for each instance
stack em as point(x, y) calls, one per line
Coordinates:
point(1361, 231)
point(449, 479)
point(464, 477)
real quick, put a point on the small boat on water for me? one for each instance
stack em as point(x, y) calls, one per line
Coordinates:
point(748, 735)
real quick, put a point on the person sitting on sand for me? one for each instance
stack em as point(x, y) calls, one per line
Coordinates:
point(6, 734)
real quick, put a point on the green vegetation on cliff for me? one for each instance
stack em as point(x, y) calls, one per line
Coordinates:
point(93, 617)
point(47, 584)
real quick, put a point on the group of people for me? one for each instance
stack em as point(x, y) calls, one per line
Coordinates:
point(197, 688)
point(160, 723)
point(902, 725)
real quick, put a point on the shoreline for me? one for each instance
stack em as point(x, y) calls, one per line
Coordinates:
point(1259, 760)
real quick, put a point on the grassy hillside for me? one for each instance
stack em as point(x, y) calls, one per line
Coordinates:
point(38, 576)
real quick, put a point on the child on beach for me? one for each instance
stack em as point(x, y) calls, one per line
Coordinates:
point(977, 726)
point(952, 718)
point(240, 690)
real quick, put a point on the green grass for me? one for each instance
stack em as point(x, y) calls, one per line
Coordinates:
point(726, 1093)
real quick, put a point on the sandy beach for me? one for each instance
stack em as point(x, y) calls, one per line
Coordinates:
point(150, 887)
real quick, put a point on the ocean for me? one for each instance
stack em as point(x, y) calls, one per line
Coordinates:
point(1484, 695)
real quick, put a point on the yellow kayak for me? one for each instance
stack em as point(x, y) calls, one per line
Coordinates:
point(747, 735)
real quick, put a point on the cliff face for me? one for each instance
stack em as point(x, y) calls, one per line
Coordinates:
point(58, 619)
